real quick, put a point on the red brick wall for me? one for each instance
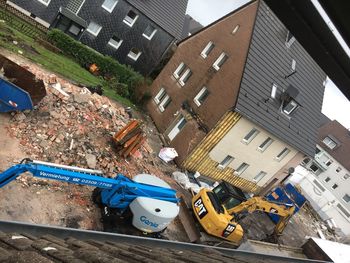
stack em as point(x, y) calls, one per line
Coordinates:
point(223, 85)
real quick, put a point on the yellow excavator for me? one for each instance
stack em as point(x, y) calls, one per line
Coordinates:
point(219, 210)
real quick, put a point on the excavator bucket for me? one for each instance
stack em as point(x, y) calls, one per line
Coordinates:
point(19, 88)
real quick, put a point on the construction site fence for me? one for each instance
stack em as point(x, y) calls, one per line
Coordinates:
point(21, 22)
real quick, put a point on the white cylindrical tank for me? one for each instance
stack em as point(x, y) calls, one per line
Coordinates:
point(152, 215)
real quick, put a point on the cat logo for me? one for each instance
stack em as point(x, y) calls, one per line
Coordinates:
point(228, 230)
point(200, 208)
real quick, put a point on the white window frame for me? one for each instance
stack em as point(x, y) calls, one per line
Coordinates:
point(235, 30)
point(254, 132)
point(336, 186)
point(241, 168)
point(92, 32)
point(133, 22)
point(218, 61)
point(113, 45)
point(338, 170)
point(294, 64)
point(152, 35)
point(346, 176)
point(185, 76)
point(259, 176)
point(293, 103)
point(44, 2)
point(198, 96)
point(329, 142)
point(225, 162)
point(289, 42)
point(327, 179)
point(344, 198)
point(208, 48)
point(274, 90)
point(160, 95)
point(179, 70)
point(135, 58)
point(74, 25)
point(110, 10)
point(282, 154)
point(163, 102)
point(173, 130)
point(265, 144)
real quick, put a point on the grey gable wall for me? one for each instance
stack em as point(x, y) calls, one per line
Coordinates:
point(268, 62)
point(112, 23)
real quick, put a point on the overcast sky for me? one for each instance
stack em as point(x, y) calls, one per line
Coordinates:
point(335, 104)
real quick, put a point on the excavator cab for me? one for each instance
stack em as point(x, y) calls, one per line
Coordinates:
point(228, 195)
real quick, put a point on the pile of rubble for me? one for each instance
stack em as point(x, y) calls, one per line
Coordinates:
point(72, 126)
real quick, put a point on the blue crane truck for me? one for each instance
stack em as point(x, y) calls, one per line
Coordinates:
point(151, 201)
point(19, 88)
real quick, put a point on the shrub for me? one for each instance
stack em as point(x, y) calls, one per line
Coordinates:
point(127, 80)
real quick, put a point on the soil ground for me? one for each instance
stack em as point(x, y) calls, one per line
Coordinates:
point(60, 204)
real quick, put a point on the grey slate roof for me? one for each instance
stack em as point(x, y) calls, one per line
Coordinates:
point(269, 61)
point(169, 14)
point(21, 242)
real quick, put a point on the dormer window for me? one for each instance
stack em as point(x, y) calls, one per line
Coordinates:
point(290, 107)
point(290, 39)
point(130, 18)
point(290, 100)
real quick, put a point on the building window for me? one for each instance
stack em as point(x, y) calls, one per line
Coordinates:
point(314, 168)
point(225, 162)
point(179, 70)
point(149, 32)
point(220, 61)
point(259, 176)
point(201, 96)
point(294, 64)
point(290, 39)
point(343, 210)
point(290, 107)
point(177, 128)
point(241, 169)
point(75, 30)
point(115, 42)
point(234, 31)
point(250, 136)
point(109, 5)
point(327, 179)
point(282, 154)
point(338, 169)
point(274, 91)
point(346, 198)
point(329, 162)
point(265, 144)
point(162, 99)
point(319, 185)
point(329, 142)
point(130, 18)
point(208, 48)
point(94, 28)
point(335, 186)
point(346, 176)
point(45, 2)
point(184, 78)
point(134, 53)
point(164, 103)
point(160, 95)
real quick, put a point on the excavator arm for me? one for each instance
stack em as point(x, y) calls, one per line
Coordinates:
point(284, 211)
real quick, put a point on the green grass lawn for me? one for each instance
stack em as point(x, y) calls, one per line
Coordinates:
point(55, 62)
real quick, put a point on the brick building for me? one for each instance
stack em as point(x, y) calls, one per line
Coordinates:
point(240, 100)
